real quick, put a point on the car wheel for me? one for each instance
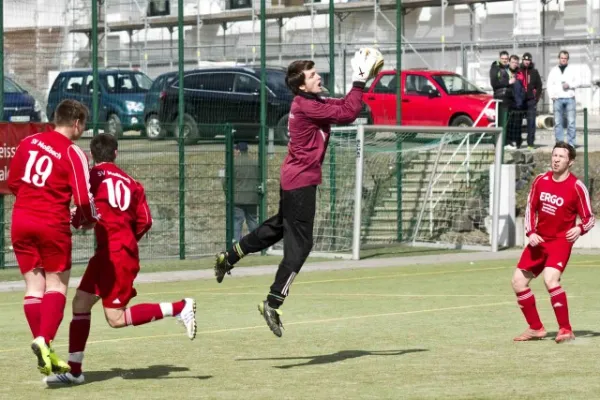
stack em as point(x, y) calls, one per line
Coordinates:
point(282, 135)
point(462, 121)
point(113, 126)
point(189, 132)
point(153, 129)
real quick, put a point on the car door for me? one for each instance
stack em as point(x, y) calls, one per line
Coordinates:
point(423, 98)
point(247, 97)
point(208, 98)
point(381, 99)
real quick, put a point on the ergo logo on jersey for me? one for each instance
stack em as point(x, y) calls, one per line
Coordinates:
point(552, 199)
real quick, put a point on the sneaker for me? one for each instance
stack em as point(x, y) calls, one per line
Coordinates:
point(64, 379)
point(271, 315)
point(42, 352)
point(564, 335)
point(58, 365)
point(222, 266)
point(530, 148)
point(531, 334)
point(188, 317)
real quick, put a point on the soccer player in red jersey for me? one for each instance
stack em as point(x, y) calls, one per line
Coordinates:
point(309, 127)
point(555, 200)
point(48, 169)
point(112, 270)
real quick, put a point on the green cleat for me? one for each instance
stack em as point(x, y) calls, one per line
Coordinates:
point(58, 365)
point(42, 352)
point(222, 267)
point(271, 315)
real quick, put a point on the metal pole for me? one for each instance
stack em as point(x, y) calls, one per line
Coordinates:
point(95, 85)
point(399, 172)
point(198, 25)
point(585, 148)
point(180, 112)
point(375, 22)
point(262, 212)
point(331, 49)
point(443, 37)
point(105, 35)
point(360, 135)
point(497, 185)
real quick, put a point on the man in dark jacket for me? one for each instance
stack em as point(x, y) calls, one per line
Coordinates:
point(310, 120)
point(500, 82)
point(532, 84)
point(245, 192)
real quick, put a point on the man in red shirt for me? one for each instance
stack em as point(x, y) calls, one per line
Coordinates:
point(113, 268)
point(48, 169)
point(555, 200)
point(309, 126)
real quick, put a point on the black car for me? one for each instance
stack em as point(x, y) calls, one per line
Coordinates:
point(214, 97)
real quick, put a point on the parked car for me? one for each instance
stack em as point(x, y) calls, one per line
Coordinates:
point(217, 96)
point(19, 105)
point(429, 98)
point(152, 104)
point(121, 97)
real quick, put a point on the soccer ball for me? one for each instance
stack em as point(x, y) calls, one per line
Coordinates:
point(378, 66)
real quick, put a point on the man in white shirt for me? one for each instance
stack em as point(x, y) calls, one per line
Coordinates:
point(562, 82)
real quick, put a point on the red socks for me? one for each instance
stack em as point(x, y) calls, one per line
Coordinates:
point(52, 311)
point(32, 306)
point(558, 298)
point(526, 301)
point(79, 331)
point(143, 313)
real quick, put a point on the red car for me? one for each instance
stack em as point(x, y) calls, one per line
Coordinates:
point(429, 98)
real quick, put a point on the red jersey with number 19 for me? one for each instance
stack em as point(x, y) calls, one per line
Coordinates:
point(46, 171)
point(552, 207)
point(121, 202)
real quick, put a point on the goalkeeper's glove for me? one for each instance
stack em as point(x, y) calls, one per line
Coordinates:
point(362, 65)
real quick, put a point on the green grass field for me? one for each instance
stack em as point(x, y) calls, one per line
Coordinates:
point(428, 332)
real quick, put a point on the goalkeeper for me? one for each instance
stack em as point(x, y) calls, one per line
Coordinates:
point(309, 126)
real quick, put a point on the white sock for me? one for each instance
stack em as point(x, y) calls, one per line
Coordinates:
point(167, 309)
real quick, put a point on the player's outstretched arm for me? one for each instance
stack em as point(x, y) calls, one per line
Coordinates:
point(584, 208)
point(143, 218)
point(80, 184)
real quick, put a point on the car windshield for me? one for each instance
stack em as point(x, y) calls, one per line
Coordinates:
point(454, 84)
point(11, 87)
point(276, 81)
point(127, 82)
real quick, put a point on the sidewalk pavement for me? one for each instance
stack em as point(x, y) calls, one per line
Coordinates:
point(478, 258)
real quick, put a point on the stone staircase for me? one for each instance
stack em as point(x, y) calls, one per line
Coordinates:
point(462, 198)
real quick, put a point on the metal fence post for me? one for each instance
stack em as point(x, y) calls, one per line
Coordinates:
point(262, 159)
point(95, 85)
point(331, 49)
point(332, 189)
point(585, 149)
point(180, 139)
point(230, 186)
point(399, 216)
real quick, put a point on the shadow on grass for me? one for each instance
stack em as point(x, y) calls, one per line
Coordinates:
point(151, 372)
point(335, 357)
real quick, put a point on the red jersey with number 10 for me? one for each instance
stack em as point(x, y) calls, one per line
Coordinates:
point(121, 202)
point(46, 171)
point(552, 207)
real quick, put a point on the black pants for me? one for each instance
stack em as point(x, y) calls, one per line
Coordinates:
point(294, 224)
point(531, 123)
point(514, 126)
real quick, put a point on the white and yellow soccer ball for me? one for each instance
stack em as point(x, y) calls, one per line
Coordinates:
point(378, 65)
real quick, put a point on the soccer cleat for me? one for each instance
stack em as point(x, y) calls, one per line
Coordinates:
point(271, 315)
point(42, 352)
point(564, 335)
point(64, 379)
point(188, 317)
point(58, 365)
point(531, 334)
point(222, 266)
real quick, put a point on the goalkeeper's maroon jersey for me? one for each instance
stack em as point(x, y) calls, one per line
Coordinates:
point(121, 202)
point(552, 207)
point(309, 126)
point(46, 171)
